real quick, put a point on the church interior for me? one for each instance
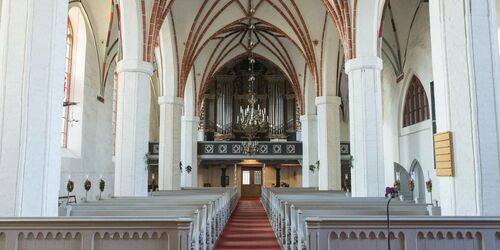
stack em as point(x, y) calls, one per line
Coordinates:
point(249, 124)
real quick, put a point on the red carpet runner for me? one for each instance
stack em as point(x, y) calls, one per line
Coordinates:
point(248, 228)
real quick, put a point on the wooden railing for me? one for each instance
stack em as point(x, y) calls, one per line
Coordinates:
point(317, 220)
point(430, 233)
point(87, 233)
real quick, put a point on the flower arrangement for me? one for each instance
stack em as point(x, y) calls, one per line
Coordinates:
point(428, 185)
point(102, 185)
point(70, 186)
point(397, 186)
point(87, 185)
point(411, 185)
point(389, 191)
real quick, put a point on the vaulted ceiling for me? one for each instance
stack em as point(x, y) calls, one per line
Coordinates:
point(298, 36)
point(288, 33)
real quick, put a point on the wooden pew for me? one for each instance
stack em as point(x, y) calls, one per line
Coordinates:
point(289, 209)
point(207, 209)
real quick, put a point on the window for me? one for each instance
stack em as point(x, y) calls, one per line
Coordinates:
point(257, 177)
point(67, 84)
point(246, 177)
point(115, 109)
point(416, 108)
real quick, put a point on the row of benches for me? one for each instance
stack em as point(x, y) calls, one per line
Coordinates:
point(208, 209)
point(289, 208)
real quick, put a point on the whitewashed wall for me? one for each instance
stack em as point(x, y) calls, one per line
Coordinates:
point(90, 149)
point(405, 145)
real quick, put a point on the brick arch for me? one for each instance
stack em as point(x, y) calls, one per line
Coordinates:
point(339, 11)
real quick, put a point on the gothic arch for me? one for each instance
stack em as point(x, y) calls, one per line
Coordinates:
point(417, 175)
point(416, 107)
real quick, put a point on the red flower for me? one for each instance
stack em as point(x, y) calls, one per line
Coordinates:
point(411, 185)
point(428, 185)
point(397, 186)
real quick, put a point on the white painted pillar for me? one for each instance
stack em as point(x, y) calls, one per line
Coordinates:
point(329, 142)
point(466, 72)
point(201, 134)
point(32, 52)
point(365, 108)
point(189, 145)
point(309, 125)
point(170, 143)
point(132, 127)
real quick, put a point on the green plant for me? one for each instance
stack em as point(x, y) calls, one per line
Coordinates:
point(411, 185)
point(428, 185)
point(70, 186)
point(188, 169)
point(87, 185)
point(312, 168)
point(397, 186)
point(146, 159)
point(350, 160)
point(102, 185)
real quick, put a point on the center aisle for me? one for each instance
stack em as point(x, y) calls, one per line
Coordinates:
point(248, 228)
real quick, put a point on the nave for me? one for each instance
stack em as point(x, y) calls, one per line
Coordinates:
point(248, 228)
point(283, 218)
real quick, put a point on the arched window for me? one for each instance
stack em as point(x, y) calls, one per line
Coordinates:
point(67, 83)
point(115, 108)
point(416, 107)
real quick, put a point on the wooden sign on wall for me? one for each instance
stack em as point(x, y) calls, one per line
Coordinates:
point(443, 153)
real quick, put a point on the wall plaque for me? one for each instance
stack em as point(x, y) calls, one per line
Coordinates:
point(443, 153)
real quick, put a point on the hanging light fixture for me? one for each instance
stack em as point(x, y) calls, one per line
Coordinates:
point(251, 120)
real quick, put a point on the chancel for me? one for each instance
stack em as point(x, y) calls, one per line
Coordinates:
point(249, 124)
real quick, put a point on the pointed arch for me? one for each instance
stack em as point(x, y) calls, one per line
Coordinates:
point(416, 104)
point(67, 82)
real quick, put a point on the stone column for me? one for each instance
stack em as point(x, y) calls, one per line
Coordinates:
point(467, 103)
point(32, 51)
point(189, 145)
point(309, 125)
point(170, 143)
point(365, 107)
point(329, 142)
point(132, 127)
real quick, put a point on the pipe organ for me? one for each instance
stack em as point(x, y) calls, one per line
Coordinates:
point(229, 92)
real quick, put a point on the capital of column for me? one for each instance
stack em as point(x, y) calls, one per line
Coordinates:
point(171, 100)
point(194, 119)
point(328, 100)
point(306, 118)
point(128, 65)
point(368, 62)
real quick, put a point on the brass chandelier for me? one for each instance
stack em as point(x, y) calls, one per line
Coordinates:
point(251, 120)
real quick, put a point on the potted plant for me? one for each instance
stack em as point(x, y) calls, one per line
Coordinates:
point(397, 186)
point(102, 185)
point(411, 185)
point(188, 169)
point(87, 185)
point(397, 189)
point(69, 187)
point(428, 187)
